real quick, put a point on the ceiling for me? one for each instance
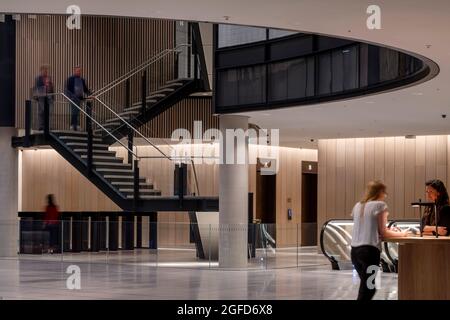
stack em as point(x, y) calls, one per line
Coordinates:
point(416, 26)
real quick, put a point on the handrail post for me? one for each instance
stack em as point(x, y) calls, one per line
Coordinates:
point(144, 91)
point(90, 137)
point(189, 50)
point(195, 54)
point(46, 118)
point(27, 123)
point(181, 184)
point(130, 146)
point(136, 183)
point(127, 94)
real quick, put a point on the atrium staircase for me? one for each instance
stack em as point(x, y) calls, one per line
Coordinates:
point(89, 151)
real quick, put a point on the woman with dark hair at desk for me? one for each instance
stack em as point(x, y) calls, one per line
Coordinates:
point(437, 193)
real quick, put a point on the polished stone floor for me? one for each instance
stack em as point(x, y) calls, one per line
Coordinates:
point(176, 274)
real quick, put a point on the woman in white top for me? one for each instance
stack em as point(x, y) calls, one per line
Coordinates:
point(369, 228)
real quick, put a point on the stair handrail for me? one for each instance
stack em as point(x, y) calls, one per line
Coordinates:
point(131, 127)
point(148, 141)
point(139, 68)
point(95, 121)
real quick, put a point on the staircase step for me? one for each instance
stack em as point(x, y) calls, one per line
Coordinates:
point(114, 123)
point(142, 190)
point(84, 144)
point(74, 139)
point(69, 133)
point(124, 184)
point(150, 100)
point(118, 120)
point(145, 197)
point(179, 80)
point(163, 91)
point(103, 158)
point(116, 172)
point(128, 113)
point(96, 151)
point(173, 84)
point(118, 178)
point(112, 165)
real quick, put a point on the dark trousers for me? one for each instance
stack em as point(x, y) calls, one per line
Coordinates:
point(42, 101)
point(54, 238)
point(362, 258)
point(75, 114)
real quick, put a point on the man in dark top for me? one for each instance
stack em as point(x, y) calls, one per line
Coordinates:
point(76, 89)
point(43, 86)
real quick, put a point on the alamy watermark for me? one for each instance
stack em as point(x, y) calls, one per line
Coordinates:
point(73, 22)
point(374, 20)
point(73, 282)
point(230, 147)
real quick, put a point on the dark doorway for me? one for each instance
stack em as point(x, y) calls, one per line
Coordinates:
point(309, 204)
point(265, 196)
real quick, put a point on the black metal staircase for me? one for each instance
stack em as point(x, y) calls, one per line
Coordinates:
point(89, 151)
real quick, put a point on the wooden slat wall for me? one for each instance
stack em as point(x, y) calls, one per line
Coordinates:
point(105, 47)
point(182, 115)
point(403, 164)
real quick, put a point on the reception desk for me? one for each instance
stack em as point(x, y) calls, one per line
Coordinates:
point(423, 268)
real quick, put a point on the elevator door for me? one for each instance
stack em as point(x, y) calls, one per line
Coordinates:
point(309, 204)
point(266, 197)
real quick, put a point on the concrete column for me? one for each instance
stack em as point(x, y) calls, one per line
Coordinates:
point(8, 194)
point(233, 194)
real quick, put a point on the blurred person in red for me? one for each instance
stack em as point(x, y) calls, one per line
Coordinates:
point(52, 223)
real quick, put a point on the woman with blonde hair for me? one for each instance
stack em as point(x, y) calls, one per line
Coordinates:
point(369, 228)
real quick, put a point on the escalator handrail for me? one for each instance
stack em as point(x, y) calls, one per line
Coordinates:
point(322, 247)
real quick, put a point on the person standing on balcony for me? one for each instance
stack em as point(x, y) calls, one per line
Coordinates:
point(43, 86)
point(76, 89)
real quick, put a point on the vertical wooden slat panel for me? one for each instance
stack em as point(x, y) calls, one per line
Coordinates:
point(340, 177)
point(379, 159)
point(369, 159)
point(399, 201)
point(389, 160)
point(430, 157)
point(410, 167)
point(360, 182)
point(350, 198)
point(331, 179)
point(441, 158)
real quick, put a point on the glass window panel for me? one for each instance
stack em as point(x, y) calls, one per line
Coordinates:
point(252, 85)
point(227, 88)
point(231, 35)
point(337, 72)
point(291, 79)
point(388, 64)
point(324, 74)
point(278, 33)
point(310, 77)
point(351, 68)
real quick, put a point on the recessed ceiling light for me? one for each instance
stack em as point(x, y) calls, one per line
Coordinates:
point(226, 18)
point(417, 93)
point(265, 114)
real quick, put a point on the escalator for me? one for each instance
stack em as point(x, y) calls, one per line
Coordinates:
point(336, 238)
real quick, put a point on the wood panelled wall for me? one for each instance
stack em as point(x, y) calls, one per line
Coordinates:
point(182, 115)
point(347, 165)
point(73, 192)
point(105, 47)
